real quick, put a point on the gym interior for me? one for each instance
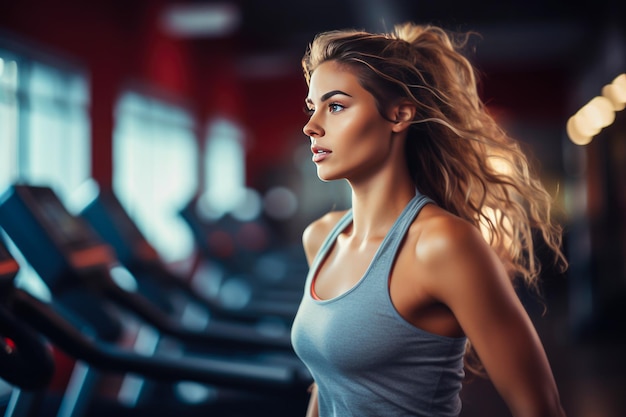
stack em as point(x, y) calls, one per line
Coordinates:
point(155, 182)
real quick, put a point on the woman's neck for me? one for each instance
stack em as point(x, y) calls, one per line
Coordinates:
point(377, 205)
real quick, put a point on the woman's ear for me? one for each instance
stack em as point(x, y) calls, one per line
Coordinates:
point(402, 116)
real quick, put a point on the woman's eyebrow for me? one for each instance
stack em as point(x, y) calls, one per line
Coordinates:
point(328, 96)
point(333, 93)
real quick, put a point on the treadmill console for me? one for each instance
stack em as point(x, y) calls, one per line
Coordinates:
point(108, 217)
point(55, 242)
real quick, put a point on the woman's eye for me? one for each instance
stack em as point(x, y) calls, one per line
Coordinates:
point(308, 111)
point(335, 107)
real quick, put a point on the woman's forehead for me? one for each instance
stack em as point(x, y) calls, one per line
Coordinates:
point(330, 76)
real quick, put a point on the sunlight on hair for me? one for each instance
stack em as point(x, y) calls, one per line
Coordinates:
point(501, 165)
point(491, 216)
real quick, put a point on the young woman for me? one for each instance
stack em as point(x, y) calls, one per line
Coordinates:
point(418, 275)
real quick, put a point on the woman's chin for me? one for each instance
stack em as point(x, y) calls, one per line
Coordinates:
point(326, 176)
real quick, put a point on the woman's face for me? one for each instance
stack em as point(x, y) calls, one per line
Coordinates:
point(349, 137)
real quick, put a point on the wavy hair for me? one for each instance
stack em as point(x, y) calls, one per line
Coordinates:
point(456, 152)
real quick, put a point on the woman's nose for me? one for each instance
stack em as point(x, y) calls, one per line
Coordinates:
point(313, 129)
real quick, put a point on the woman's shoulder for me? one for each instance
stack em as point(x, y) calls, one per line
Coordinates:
point(315, 233)
point(438, 236)
point(453, 254)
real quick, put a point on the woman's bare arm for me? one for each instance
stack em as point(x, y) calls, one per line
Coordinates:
point(466, 275)
point(312, 410)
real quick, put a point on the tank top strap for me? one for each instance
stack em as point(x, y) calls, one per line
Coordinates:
point(343, 222)
point(395, 236)
point(392, 239)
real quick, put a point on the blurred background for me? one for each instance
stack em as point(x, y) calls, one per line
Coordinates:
point(195, 108)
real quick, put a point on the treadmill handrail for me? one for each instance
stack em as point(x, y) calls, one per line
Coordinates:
point(25, 359)
point(227, 372)
point(231, 335)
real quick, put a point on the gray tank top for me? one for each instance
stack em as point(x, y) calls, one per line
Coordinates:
point(366, 359)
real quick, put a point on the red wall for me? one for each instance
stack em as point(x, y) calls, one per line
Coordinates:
point(121, 42)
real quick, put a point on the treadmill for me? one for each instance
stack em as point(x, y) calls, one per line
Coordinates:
point(106, 215)
point(69, 255)
point(25, 359)
point(28, 326)
point(249, 249)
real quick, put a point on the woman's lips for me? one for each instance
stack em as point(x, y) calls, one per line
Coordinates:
point(319, 154)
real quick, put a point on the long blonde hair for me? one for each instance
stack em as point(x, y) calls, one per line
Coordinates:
point(456, 152)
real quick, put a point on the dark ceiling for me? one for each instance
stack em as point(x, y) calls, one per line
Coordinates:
point(290, 24)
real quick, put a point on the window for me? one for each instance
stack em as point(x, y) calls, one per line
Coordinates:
point(155, 161)
point(8, 120)
point(44, 123)
point(225, 172)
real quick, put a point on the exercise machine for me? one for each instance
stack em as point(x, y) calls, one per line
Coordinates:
point(28, 325)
